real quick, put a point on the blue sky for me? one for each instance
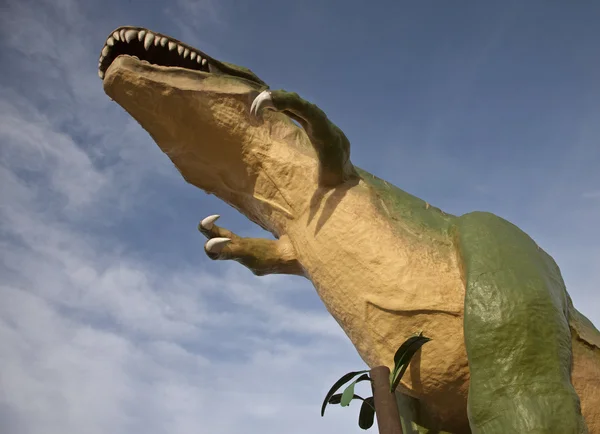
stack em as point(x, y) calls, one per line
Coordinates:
point(113, 320)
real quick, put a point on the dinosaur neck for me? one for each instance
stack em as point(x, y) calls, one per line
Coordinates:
point(277, 177)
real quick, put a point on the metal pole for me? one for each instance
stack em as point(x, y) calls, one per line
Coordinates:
point(386, 409)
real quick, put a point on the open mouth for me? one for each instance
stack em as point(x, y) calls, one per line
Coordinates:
point(158, 49)
point(153, 48)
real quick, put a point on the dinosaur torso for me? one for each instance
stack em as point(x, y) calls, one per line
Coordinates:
point(387, 264)
point(383, 277)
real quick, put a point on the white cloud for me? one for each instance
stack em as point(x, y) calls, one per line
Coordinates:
point(35, 146)
point(77, 377)
point(58, 375)
point(95, 339)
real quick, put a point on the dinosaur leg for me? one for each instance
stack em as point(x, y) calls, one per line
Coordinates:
point(331, 144)
point(260, 255)
point(516, 333)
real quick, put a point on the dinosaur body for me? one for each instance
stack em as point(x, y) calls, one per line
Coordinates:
point(509, 352)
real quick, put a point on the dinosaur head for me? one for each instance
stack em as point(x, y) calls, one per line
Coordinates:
point(197, 109)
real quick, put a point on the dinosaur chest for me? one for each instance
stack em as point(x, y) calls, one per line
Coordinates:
point(382, 286)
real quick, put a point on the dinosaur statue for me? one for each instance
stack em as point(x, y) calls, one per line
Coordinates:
point(509, 352)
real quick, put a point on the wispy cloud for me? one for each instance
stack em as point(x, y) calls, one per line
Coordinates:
point(591, 194)
point(95, 339)
point(92, 339)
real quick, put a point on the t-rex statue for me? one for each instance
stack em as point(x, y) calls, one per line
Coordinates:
point(509, 352)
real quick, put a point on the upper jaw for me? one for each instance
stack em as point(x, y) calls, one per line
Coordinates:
point(158, 49)
point(153, 47)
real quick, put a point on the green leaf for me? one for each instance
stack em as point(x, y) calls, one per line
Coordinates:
point(407, 343)
point(402, 358)
point(367, 413)
point(336, 386)
point(349, 392)
point(335, 399)
point(347, 395)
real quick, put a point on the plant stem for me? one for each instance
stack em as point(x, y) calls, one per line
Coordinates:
point(386, 409)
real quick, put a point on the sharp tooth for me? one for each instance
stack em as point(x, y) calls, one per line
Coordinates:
point(192, 55)
point(172, 45)
point(105, 51)
point(122, 34)
point(156, 41)
point(148, 40)
point(110, 41)
point(186, 53)
point(116, 36)
point(129, 35)
point(163, 41)
point(198, 59)
point(100, 74)
point(141, 35)
point(204, 61)
point(179, 49)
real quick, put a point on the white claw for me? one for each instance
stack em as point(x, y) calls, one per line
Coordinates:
point(208, 222)
point(215, 245)
point(263, 101)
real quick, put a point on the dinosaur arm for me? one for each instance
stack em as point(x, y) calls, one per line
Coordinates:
point(330, 142)
point(516, 332)
point(259, 255)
